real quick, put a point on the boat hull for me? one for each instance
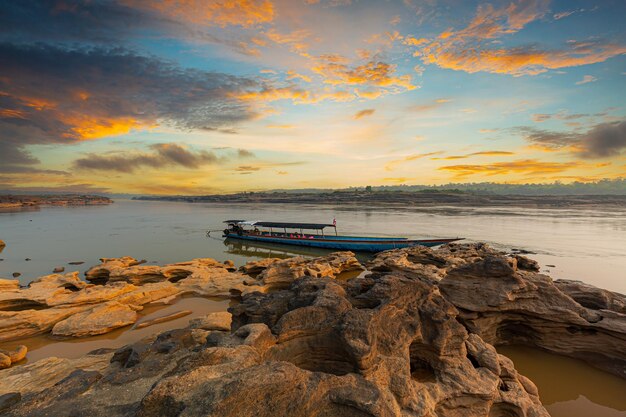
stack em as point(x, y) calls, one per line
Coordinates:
point(343, 243)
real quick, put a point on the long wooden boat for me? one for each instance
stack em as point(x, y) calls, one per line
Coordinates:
point(300, 234)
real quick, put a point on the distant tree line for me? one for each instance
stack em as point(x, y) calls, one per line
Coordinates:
point(601, 187)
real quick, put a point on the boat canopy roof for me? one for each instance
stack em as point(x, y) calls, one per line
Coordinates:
point(284, 225)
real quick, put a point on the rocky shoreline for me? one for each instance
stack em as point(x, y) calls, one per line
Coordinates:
point(411, 332)
point(34, 201)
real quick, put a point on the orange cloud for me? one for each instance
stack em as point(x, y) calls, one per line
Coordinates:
point(12, 114)
point(372, 73)
point(525, 167)
point(469, 49)
point(292, 75)
point(295, 94)
point(393, 164)
point(296, 40)
point(430, 106)
point(398, 180)
point(483, 153)
point(88, 127)
point(519, 61)
point(363, 113)
point(222, 13)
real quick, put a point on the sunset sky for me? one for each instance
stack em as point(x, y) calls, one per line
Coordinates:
point(196, 97)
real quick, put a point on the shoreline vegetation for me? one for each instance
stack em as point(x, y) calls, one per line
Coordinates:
point(425, 198)
point(405, 332)
point(17, 201)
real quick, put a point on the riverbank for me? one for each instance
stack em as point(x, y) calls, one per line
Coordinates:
point(9, 201)
point(426, 198)
point(411, 330)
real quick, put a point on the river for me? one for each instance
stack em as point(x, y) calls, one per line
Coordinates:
point(582, 244)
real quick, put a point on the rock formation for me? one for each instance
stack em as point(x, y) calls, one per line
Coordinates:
point(505, 300)
point(7, 358)
point(68, 306)
point(414, 337)
point(382, 347)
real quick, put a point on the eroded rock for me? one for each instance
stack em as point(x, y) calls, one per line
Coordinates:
point(98, 320)
point(213, 321)
point(282, 272)
point(505, 300)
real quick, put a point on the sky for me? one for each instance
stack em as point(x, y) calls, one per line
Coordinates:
point(201, 97)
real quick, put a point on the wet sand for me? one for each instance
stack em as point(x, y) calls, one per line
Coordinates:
point(570, 387)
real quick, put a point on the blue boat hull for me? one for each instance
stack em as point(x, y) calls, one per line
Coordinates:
point(351, 243)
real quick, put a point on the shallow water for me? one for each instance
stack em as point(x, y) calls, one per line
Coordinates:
point(588, 245)
point(44, 346)
point(570, 387)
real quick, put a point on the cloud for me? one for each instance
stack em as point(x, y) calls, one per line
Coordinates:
point(363, 113)
point(372, 73)
point(57, 95)
point(397, 180)
point(164, 154)
point(471, 48)
point(587, 79)
point(82, 20)
point(390, 166)
point(292, 75)
point(601, 141)
point(562, 115)
point(247, 169)
point(430, 106)
point(296, 40)
point(482, 153)
point(297, 95)
point(244, 153)
point(222, 13)
point(525, 167)
point(561, 15)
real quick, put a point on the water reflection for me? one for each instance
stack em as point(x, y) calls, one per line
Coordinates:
point(278, 250)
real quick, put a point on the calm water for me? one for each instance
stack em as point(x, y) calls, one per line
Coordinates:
point(589, 245)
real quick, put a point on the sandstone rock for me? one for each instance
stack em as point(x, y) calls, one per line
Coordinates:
point(30, 322)
point(2, 244)
point(283, 272)
point(9, 284)
point(16, 355)
point(8, 400)
point(8, 358)
point(213, 321)
point(505, 306)
point(34, 377)
point(98, 320)
point(58, 269)
point(503, 299)
point(162, 319)
point(383, 345)
point(411, 338)
point(56, 297)
point(5, 361)
point(592, 297)
point(130, 270)
point(256, 267)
